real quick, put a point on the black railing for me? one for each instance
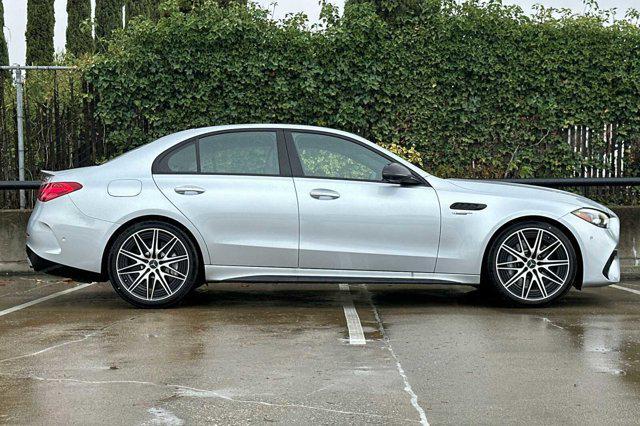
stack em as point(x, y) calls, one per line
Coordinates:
point(551, 183)
point(576, 182)
point(15, 184)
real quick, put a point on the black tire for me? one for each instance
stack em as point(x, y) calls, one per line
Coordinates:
point(503, 280)
point(178, 286)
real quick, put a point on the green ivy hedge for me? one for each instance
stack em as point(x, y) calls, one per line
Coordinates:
point(479, 89)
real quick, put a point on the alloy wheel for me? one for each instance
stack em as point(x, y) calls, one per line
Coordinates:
point(533, 264)
point(152, 264)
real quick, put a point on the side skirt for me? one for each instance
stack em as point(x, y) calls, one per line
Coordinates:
point(260, 274)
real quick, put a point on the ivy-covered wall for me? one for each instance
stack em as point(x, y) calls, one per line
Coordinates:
point(479, 90)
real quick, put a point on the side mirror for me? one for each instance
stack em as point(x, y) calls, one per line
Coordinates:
point(397, 173)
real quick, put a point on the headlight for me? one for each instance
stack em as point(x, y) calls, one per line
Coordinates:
point(595, 217)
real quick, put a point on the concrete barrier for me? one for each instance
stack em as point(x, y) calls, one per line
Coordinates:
point(629, 233)
point(14, 222)
point(13, 225)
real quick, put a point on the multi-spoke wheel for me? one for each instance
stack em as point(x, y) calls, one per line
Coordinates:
point(531, 263)
point(153, 264)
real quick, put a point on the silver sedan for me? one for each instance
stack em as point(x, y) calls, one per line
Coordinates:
point(274, 203)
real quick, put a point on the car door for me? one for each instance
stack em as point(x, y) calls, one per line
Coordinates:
point(350, 219)
point(236, 188)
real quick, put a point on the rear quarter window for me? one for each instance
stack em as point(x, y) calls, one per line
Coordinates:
point(181, 160)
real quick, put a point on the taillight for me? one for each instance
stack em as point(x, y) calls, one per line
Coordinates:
point(50, 190)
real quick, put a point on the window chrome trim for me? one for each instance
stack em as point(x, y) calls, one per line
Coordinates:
point(283, 158)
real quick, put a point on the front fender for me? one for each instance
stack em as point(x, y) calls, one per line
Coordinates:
point(465, 234)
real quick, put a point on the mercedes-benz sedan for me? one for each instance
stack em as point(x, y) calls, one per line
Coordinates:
point(275, 203)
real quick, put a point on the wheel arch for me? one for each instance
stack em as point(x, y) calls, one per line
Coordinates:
point(568, 233)
point(146, 218)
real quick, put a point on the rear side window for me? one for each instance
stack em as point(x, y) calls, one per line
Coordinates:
point(182, 160)
point(246, 153)
point(239, 153)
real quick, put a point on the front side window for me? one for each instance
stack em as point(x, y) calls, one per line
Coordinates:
point(327, 156)
point(250, 153)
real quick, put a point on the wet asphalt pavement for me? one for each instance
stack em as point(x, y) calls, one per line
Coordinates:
point(239, 353)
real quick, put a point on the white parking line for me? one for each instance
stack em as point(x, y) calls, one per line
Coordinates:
point(356, 335)
point(630, 290)
point(405, 380)
point(43, 299)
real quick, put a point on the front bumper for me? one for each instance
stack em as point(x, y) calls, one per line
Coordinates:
point(598, 247)
point(611, 269)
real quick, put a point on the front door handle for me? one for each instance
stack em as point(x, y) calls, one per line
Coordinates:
point(189, 190)
point(324, 194)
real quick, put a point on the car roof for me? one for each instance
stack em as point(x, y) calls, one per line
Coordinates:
point(159, 145)
point(211, 129)
point(147, 153)
point(151, 150)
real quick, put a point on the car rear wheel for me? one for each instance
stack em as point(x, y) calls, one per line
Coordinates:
point(531, 263)
point(153, 264)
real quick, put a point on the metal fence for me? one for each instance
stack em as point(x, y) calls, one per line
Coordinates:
point(47, 121)
point(611, 158)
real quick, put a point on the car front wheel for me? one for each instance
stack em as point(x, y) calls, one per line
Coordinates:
point(531, 263)
point(153, 264)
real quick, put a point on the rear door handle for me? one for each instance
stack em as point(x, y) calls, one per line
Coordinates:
point(324, 194)
point(189, 190)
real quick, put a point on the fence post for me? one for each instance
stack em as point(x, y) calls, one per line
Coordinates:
point(19, 82)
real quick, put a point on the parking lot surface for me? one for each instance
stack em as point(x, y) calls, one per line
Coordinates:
point(238, 353)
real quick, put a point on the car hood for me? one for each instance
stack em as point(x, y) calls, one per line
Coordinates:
point(520, 191)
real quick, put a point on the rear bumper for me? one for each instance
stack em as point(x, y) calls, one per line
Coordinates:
point(61, 234)
point(40, 264)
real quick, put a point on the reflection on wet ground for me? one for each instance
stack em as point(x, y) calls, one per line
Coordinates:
point(238, 353)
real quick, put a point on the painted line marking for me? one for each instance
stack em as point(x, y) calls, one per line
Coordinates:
point(43, 299)
point(630, 290)
point(356, 334)
point(405, 380)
